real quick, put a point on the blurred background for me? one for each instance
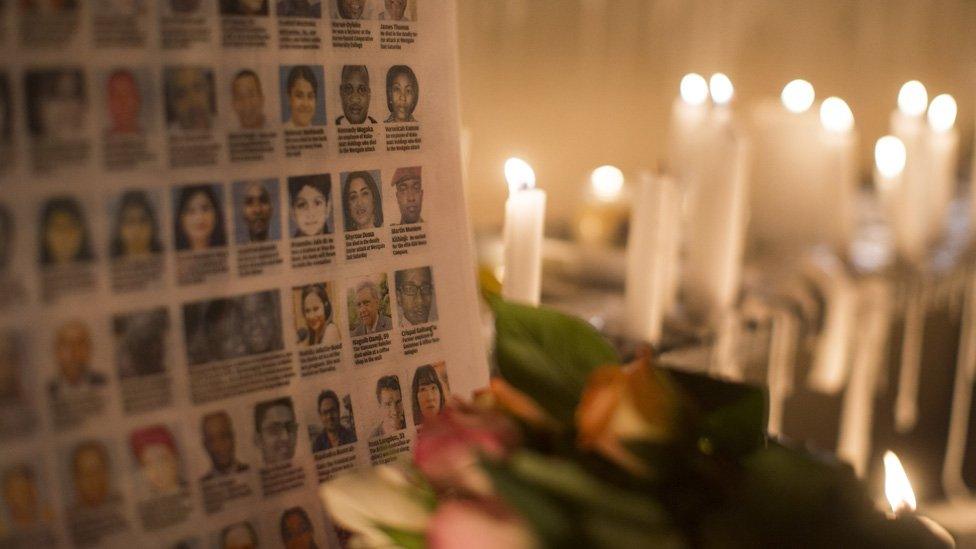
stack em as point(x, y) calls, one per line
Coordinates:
point(569, 85)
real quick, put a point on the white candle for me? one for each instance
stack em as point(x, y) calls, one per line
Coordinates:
point(651, 254)
point(804, 172)
point(943, 151)
point(525, 212)
point(890, 158)
point(689, 115)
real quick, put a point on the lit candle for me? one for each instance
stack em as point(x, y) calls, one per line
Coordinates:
point(901, 498)
point(651, 255)
point(840, 164)
point(890, 157)
point(525, 212)
point(943, 151)
point(604, 212)
point(689, 114)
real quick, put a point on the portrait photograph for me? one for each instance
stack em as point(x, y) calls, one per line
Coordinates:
point(238, 535)
point(428, 394)
point(247, 99)
point(198, 217)
point(402, 94)
point(232, 327)
point(7, 239)
point(351, 10)
point(191, 104)
point(141, 342)
point(354, 95)
point(408, 186)
point(244, 7)
point(75, 376)
point(6, 112)
point(310, 204)
point(302, 96)
point(57, 103)
point(300, 8)
point(25, 507)
point(64, 236)
point(332, 424)
point(182, 8)
point(315, 314)
point(416, 302)
point(398, 10)
point(275, 430)
point(257, 211)
point(17, 414)
point(119, 8)
point(389, 414)
point(90, 479)
point(368, 302)
point(296, 529)
point(362, 200)
point(156, 457)
point(129, 99)
point(135, 224)
point(219, 436)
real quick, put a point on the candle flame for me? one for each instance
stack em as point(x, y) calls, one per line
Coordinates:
point(898, 490)
point(798, 96)
point(836, 115)
point(890, 156)
point(912, 98)
point(607, 182)
point(519, 175)
point(721, 88)
point(942, 113)
point(694, 89)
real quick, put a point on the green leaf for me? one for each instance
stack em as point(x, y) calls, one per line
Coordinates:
point(405, 538)
point(731, 416)
point(542, 511)
point(547, 354)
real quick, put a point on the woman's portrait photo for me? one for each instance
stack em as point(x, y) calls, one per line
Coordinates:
point(428, 394)
point(64, 235)
point(402, 94)
point(303, 97)
point(199, 218)
point(315, 315)
point(362, 203)
point(135, 226)
point(311, 205)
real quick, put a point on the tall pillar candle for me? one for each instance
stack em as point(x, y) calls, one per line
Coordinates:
point(525, 212)
point(650, 257)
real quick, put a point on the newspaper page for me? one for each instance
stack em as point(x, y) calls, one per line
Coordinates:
point(234, 262)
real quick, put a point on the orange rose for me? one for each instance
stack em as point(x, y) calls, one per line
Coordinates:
point(623, 404)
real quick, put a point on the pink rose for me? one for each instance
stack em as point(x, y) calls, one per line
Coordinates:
point(477, 525)
point(449, 446)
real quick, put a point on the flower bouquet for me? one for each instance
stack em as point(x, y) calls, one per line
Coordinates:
point(570, 447)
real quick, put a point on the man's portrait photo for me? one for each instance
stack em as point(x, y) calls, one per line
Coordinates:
point(127, 101)
point(257, 211)
point(191, 103)
point(354, 93)
point(389, 401)
point(158, 460)
point(300, 8)
point(369, 305)
point(140, 342)
point(91, 476)
point(296, 529)
point(244, 7)
point(57, 103)
point(275, 430)
point(247, 100)
point(17, 417)
point(220, 442)
point(72, 350)
point(415, 296)
point(351, 9)
point(402, 94)
point(409, 188)
point(182, 7)
point(64, 235)
point(24, 505)
point(262, 322)
point(213, 330)
point(399, 10)
point(336, 428)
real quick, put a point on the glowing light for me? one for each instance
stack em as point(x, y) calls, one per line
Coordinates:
point(912, 98)
point(721, 88)
point(898, 490)
point(798, 96)
point(519, 175)
point(835, 115)
point(694, 89)
point(607, 182)
point(942, 113)
point(889, 156)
